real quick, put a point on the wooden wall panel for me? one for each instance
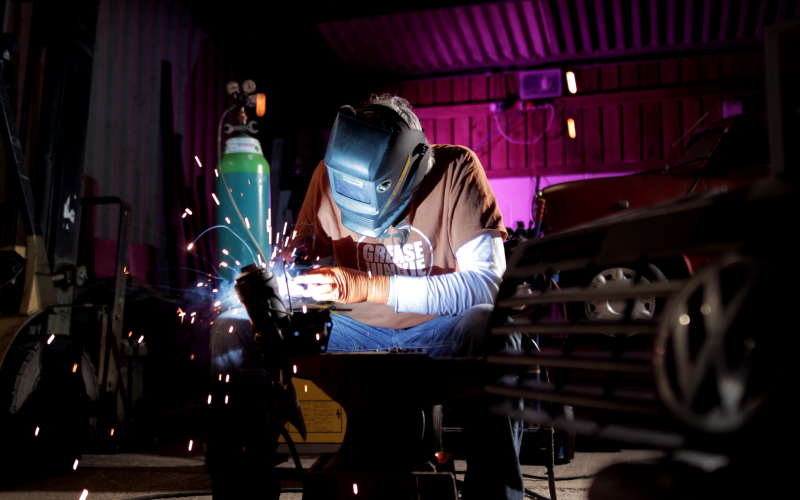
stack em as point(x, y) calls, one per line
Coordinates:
point(461, 130)
point(479, 125)
point(627, 116)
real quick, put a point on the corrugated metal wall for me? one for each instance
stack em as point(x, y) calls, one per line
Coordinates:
point(124, 150)
point(535, 32)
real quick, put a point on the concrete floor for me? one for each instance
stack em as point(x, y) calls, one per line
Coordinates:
point(173, 468)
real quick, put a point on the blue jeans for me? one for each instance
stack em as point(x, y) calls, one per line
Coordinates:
point(492, 442)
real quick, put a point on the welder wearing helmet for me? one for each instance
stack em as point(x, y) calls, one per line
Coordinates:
point(417, 240)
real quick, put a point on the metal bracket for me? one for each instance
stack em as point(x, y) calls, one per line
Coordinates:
point(250, 127)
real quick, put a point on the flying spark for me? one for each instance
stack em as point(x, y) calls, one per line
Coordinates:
point(215, 290)
point(190, 444)
point(230, 330)
point(285, 225)
point(355, 489)
point(141, 338)
point(200, 284)
point(294, 368)
point(217, 303)
point(305, 310)
point(227, 377)
point(184, 215)
point(193, 314)
point(112, 432)
point(51, 338)
point(209, 399)
point(224, 251)
point(198, 162)
point(191, 245)
point(226, 399)
point(318, 336)
point(223, 264)
point(84, 495)
point(294, 233)
point(369, 273)
point(36, 432)
point(75, 464)
point(192, 322)
point(74, 367)
point(216, 200)
point(238, 263)
point(216, 174)
point(247, 222)
point(191, 357)
point(188, 211)
point(305, 388)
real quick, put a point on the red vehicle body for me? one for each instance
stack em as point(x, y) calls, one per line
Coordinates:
point(724, 155)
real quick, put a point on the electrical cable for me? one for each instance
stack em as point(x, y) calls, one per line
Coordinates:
point(514, 141)
point(14, 277)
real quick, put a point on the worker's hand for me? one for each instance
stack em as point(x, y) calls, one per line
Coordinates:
point(339, 284)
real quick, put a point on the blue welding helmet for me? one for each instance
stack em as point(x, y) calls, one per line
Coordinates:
point(375, 164)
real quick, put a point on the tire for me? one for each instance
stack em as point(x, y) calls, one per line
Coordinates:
point(46, 417)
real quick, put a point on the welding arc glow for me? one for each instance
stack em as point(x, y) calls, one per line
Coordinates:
point(571, 84)
point(84, 495)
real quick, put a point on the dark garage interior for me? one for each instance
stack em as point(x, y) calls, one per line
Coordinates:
point(328, 249)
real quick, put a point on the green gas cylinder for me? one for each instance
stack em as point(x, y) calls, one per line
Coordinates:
point(247, 174)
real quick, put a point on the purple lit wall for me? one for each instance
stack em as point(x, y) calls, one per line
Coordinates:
point(515, 194)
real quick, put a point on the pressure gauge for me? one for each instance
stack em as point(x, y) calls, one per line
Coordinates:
point(248, 86)
point(232, 87)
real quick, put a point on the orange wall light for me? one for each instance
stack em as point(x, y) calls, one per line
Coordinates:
point(571, 128)
point(261, 104)
point(572, 85)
